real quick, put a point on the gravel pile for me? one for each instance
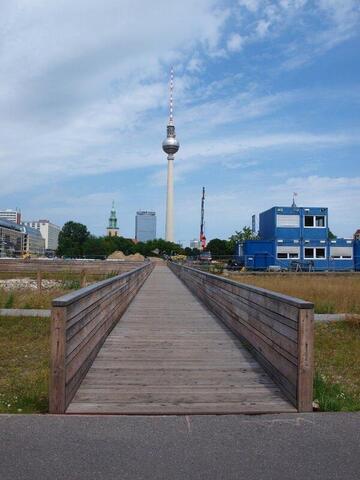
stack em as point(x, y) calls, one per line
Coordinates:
point(28, 283)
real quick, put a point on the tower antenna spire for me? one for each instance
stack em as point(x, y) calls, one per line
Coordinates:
point(171, 100)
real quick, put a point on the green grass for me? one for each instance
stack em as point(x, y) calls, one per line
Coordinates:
point(24, 364)
point(9, 303)
point(337, 363)
point(71, 284)
point(331, 397)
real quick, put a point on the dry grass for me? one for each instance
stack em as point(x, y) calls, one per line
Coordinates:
point(329, 293)
point(337, 354)
point(29, 298)
point(24, 364)
point(61, 275)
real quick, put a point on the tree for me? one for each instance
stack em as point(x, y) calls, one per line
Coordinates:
point(191, 252)
point(160, 245)
point(219, 247)
point(95, 247)
point(72, 237)
point(125, 245)
point(331, 235)
point(245, 234)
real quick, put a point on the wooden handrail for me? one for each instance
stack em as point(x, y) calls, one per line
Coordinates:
point(276, 328)
point(80, 323)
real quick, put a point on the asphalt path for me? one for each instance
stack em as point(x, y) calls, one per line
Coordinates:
point(276, 447)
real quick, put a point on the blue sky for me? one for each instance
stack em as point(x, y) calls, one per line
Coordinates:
point(267, 97)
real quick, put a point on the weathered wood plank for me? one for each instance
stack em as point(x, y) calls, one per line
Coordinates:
point(207, 408)
point(306, 360)
point(57, 361)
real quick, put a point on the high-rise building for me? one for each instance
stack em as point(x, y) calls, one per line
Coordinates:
point(170, 146)
point(112, 229)
point(195, 244)
point(145, 226)
point(11, 215)
point(49, 232)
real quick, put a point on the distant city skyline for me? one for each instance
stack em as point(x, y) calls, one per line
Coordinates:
point(267, 104)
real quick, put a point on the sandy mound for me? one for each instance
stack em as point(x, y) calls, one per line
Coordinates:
point(136, 257)
point(119, 255)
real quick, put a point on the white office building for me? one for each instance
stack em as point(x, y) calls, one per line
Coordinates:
point(11, 215)
point(34, 243)
point(49, 232)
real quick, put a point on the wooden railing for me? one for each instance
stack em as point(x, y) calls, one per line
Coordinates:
point(277, 329)
point(80, 323)
point(71, 266)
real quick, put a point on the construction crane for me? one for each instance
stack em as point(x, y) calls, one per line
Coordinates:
point(202, 234)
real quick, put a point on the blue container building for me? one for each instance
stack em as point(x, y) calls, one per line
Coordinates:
point(297, 238)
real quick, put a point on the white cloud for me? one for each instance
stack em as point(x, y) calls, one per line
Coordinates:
point(78, 81)
point(230, 211)
point(262, 28)
point(235, 42)
point(83, 86)
point(195, 64)
point(233, 145)
point(339, 194)
point(251, 5)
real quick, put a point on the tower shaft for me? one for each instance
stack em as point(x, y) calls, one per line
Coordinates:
point(202, 233)
point(169, 228)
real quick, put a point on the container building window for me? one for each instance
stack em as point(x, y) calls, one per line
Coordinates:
point(314, 221)
point(309, 221)
point(288, 221)
point(320, 221)
point(341, 253)
point(318, 252)
point(288, 252)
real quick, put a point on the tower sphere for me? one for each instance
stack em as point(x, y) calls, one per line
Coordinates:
point(170, 145)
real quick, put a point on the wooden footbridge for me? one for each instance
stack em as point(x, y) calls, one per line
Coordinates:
point(174, 340)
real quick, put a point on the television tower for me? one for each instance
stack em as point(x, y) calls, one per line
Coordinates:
point(170, 146)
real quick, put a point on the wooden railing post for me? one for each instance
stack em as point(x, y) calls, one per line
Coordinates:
point(83, 278)
point(305, 360)
point(57, 400)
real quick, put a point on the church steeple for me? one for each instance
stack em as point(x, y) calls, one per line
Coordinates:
point(112, 229)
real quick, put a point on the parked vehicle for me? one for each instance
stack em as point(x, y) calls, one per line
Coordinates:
point(205, 257)
point(233, 265)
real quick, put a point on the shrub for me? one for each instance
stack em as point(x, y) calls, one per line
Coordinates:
point(9, 301)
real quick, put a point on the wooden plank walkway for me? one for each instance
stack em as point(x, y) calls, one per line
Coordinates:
point(170, 355)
